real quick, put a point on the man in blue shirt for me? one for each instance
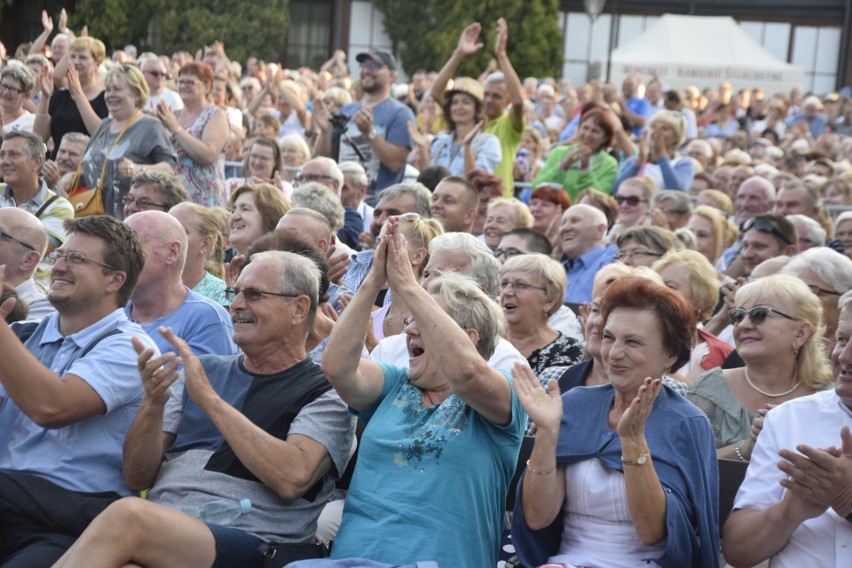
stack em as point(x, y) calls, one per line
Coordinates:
point(635, 109)
point(161, 299)
point(581, 235)
point(68, 395)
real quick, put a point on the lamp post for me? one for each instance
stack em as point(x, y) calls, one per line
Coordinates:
point(593, 9)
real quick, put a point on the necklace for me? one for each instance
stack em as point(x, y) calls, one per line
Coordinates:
point(769, 394)
point(389, 319)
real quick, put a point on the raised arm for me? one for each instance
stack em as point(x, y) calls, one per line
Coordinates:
point(467, 45)
point(47, 24)
point(513, 83)
point(84, 106)
point(41, 126)
point(203, 150)
point(470, 376)
point(146, 442)
point(358, 381)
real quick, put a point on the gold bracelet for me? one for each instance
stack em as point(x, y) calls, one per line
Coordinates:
point(531, 469)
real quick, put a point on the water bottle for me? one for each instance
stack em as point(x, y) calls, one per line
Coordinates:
point(224, 511)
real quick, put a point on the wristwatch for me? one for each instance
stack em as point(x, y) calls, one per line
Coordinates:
point(640, 460)
point(373, 134)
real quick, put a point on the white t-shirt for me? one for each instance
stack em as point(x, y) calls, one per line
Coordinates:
point(172, 99)
point(23, 123)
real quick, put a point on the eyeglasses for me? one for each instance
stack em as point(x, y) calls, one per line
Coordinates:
point(158, 74)
point(635, 254)
point(757, 315)
point(822, 292)
point(6, 236)
point(75, 259)
point(187, 82)
point(142, 202)
point(10, 89)
point(518, 286)
point(631, 200)
point(253, 294)
point(308, 178)
point(764, 226)
point(508, 252)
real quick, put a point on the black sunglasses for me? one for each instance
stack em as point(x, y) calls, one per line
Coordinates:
point(253, 294)
point(757, 315)
point(764, 226)
point(631, 200)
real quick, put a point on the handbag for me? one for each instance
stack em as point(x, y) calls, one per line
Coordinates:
point(91, 201)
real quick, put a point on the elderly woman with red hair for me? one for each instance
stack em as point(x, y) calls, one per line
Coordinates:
point(585, 163)
point(547, 203)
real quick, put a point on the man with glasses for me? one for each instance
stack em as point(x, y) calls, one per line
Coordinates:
point(263, 425)
point(161, 300)
point(22, 155)
point(153, 190)
point(325, 171)
point(68, 395)
point(377, 124)
point(22, 244)
point(156, 75)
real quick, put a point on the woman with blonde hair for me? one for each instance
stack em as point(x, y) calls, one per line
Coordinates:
point(418, 232)
point(689, 273)
point(713, 232)
point(656, 158)
point(843, 231)
point(126, 143)
point(81, 106)
point(532, 287)
point(504, 214)
point(778, 331)
point(203, 270)
point(719, 200)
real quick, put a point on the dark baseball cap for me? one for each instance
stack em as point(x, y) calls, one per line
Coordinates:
point(379, 56)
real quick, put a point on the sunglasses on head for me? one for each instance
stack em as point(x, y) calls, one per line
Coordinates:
point(764, 226)
point(757, 315)
point(631, 200)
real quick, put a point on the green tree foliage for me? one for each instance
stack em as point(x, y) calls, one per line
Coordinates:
point(257, 28)
point(426, 31)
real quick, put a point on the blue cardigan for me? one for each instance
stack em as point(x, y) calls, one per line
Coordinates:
point(683, 454)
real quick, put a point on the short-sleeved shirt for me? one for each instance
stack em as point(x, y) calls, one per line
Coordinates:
point(65, 116)
point(431, 481)
point(510, 141)
point(581, 272)
point(85, 456)
point(144, 142)
point(186, 481)
point(201, 322)
point(642, 107)
point(486, 153)
point(390, 120)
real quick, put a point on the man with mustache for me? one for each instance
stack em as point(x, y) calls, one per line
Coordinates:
point(59, 173)
point(263, 425)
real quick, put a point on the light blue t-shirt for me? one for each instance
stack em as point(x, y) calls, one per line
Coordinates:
point(85, 456)
point(201, 322)
point(487, 153)
point(430, 483)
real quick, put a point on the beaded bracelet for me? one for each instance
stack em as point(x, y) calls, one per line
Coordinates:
point(738, 452)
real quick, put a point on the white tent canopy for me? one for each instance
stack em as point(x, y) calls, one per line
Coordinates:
point(702, 51)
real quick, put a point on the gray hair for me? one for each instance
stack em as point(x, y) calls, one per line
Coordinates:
point(844, 300)
point(815, 231)
point(332, 169)
point(548, 274)
point(38, 59)
point(470, 308)
point(421, 194)
point(33, 144)
point(299, 275)
point(827, 264)
point(308, 213)
point(765, 184)
point(683, 202)
point(76, 137)
point(21, 73)
point(702, 146)
point(322, 199)
point(356, 170)
point(169, 186)
point(483, 267)
point(496, 77)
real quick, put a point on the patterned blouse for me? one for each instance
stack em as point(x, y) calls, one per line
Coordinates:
point(563, 351)
point(205, 184)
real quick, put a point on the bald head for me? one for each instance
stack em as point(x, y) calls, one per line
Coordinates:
point(22, 253)
point(164, 239)
point(309, 223)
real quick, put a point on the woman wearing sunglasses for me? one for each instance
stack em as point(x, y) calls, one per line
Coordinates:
point(634, 205)
point(778, 332)
point(585, 163)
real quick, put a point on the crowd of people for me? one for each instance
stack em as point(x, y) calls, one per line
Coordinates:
point(265, 317)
